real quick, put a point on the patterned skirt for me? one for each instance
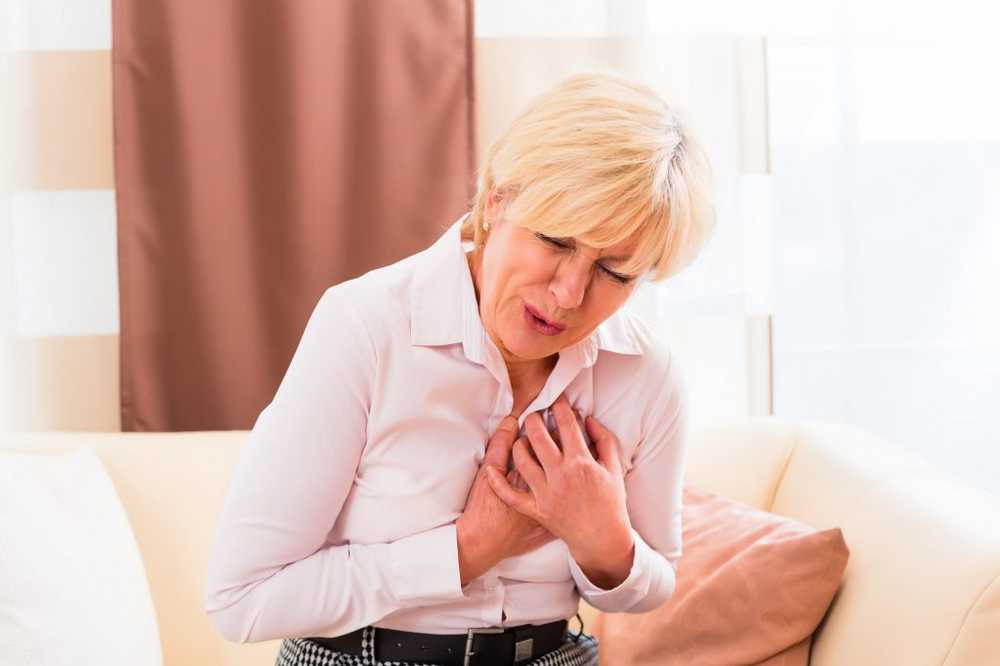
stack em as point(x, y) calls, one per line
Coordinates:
point(576, 650)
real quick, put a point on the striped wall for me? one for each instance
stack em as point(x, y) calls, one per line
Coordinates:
point(62, 216)
point(62, 268)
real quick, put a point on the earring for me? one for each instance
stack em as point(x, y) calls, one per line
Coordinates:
point(486, 226)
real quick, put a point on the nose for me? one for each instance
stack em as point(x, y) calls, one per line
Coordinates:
point(569, 285)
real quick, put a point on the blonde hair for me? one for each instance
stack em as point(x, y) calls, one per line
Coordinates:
point(599, 157)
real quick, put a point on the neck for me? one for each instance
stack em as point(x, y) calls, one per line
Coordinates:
point(527, 374)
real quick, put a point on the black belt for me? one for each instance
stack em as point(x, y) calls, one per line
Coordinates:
point(485, 646)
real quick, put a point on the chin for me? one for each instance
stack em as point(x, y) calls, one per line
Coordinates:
point(527, 345)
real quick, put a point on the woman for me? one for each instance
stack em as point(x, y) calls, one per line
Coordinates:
point(402, 499)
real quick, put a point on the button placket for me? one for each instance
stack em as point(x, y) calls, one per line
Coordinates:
point(494, 590)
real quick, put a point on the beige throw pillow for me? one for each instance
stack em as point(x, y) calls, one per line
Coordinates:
point(752, 586)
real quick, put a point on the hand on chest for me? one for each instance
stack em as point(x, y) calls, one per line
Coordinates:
point(426, 442)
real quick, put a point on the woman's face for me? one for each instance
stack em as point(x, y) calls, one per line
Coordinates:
point(571, 285)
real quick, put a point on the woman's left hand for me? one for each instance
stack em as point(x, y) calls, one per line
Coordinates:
point(576, 497)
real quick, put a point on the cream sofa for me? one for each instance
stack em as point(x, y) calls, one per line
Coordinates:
point(922, 586)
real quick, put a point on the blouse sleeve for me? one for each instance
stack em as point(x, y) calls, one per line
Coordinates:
point(270, 573)
point(654, 489)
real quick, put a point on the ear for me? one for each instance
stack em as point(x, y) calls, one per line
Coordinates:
point(497, 200)
point(494, 201)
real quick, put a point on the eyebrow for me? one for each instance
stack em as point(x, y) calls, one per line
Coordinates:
point(570, 240)
point(616, 260)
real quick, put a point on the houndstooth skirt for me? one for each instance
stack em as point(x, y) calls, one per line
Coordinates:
point(576, 650)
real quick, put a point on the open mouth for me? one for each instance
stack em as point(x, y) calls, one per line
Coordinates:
point(541, 324)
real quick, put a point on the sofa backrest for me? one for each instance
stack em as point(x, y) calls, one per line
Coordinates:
point(922, 584)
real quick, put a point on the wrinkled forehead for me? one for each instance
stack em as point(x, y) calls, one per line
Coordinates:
point(620, 252)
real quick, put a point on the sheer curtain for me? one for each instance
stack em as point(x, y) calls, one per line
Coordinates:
point(886, 153)
point(884, 211)
point(715, 314)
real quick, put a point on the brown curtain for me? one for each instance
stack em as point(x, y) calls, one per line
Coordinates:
point(264, 151)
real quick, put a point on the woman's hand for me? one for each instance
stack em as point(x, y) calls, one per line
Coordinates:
point(576, 497)
point(488, 530)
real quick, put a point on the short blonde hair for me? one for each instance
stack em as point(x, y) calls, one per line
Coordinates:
point(599, 157)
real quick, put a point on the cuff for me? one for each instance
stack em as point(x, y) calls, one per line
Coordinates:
point(627, 593)
point(423, 568)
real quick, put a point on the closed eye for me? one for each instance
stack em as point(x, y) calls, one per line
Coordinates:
point(552, 241)
point(624, 279)
point(617, 277)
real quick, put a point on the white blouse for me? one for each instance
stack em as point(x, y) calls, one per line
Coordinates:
point(341, 511)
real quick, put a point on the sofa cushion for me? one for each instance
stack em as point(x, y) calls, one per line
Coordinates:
point(73, 588)
point(752, 586)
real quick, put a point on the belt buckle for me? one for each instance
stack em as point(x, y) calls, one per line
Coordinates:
point(522, 649)
point(477, 630)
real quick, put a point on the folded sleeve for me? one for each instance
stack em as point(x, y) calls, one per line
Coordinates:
point(271, 574)
point(654, 491)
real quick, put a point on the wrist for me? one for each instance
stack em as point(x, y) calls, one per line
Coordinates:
point(608, 544)
point(473, 558)
point(608, 567)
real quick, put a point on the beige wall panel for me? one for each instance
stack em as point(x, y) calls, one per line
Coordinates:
point(66, 383)
point(61, 114)
point(719, 81)
point(512, 70)
point(755, 152)
point(760, 376)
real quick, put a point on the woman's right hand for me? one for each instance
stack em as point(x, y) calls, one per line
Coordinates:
point(488, 530)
